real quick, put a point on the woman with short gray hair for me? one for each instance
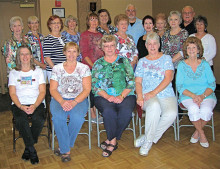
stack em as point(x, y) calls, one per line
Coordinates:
point(11, 45)
point(71, 34)
point(155, 94)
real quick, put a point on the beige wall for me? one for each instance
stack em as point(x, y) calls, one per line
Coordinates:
point(46, 11)
point(210, 9)
point(115, 7)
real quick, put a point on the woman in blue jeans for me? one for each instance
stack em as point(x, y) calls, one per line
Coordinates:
point(113, 87)
point(70, 86)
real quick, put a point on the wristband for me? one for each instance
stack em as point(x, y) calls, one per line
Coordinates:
point(122, 96)
point(75, 101)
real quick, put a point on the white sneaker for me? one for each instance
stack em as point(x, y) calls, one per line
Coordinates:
point(139, 141)
point(145, 148)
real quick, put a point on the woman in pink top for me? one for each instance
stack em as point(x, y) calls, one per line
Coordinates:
point(90, 49)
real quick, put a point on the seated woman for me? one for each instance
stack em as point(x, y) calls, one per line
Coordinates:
point(113, 86)
point(27, 90)
point(155, 94)
point(196, 85)
point(70, 85)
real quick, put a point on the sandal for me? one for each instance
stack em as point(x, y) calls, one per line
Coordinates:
point(65, 157)
point(103, 145)
point(109, 153)
point(57, 152)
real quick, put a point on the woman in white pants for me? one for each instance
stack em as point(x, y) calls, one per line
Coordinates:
point(196, 85)
point(155, 94)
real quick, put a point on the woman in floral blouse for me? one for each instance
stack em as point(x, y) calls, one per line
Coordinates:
point(196, 85)
point(126, 46)
point(173, 39)
point(36, 41)
point(10, 46)
point(113, 86)
point(104, 23)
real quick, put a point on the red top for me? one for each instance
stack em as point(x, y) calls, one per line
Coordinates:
point(90, 46)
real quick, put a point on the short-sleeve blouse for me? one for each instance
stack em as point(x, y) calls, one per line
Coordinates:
point(152, 73)
point(126, 47)
point(114, 77)
point(70, 84)
point(112, 30)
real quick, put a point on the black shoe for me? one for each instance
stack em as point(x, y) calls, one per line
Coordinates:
point(34, 158)
point(26, 154)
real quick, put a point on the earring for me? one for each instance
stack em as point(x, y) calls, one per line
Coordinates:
point(197, 55)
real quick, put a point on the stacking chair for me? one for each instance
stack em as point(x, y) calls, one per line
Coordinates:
point(46, 125)
point(185, 112)
point(142, 126)
point(128, 128)
point(86, 133)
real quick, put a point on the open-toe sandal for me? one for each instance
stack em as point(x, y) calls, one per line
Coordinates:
point(57, 152)
point(108, 152)
point(65, 157)
point(103, 145)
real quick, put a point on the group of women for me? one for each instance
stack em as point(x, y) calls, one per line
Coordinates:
point(109, 59)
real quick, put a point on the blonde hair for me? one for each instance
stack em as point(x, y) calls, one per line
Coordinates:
point(71, 45)
point(108, 38)
point(119, 18)
point(32, 18)
point(14, 19)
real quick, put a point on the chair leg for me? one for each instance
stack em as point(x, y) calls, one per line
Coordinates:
point(97, 125)
point(53, 137)
point(178, 128)
point(174, 128)
point(89, 124)
point(213, 129)
point(14, 140)
point(133, 123)
point(140, 127)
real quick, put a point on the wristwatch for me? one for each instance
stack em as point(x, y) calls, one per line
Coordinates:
point(204, 95)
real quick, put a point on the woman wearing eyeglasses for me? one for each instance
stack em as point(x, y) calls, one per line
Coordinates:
point(53, 44)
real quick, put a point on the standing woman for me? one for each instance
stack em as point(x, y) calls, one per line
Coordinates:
point(104, 23)
point(196, 85)
point(27, 90)
point(71, 34)
point(91, 51)
point(208, 41)
point(35, 39)
point(53, 44)
point(126, 46)
point(11, 45)
point(173, 39)
point(148, 24)
point(70, 86)
point(161, 24)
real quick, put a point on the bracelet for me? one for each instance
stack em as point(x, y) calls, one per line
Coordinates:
point(204, 95)
point(122, 96)
point(75, 101)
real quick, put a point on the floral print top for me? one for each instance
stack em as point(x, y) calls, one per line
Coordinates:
point(152, 73)
point(36, 45)
point(73, 38)
point(112, 30)
point(126, 47)
point(172, 44)
point(196, 82)
point(114, 77)
point(9, 50)
point(70, 84)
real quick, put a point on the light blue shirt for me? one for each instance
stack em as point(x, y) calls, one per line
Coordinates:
point(196, 82)
point(136, 30)
point(152, 73)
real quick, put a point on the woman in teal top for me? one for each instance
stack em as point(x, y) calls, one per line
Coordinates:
point(196, 85)
point(113, 86)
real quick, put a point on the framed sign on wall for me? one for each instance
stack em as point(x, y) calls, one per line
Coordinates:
point(59, 11)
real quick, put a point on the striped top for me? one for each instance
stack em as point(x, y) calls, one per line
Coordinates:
point(53, 48)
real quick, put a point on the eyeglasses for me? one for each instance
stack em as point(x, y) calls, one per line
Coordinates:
point(55, 23)
point(187, 13)
point(108, 46)
point(130, 10)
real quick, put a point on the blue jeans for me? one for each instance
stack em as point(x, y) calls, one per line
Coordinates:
point(116, 116)
point(67, 133)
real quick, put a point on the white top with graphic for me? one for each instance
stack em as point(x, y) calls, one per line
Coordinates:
point(27, 84)
point(70, 85)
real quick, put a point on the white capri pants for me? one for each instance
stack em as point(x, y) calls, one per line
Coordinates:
point(49, 75)
point(160, 115)
point(204, 112)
